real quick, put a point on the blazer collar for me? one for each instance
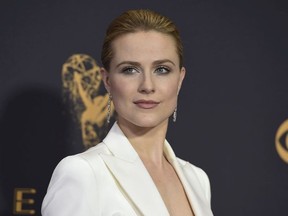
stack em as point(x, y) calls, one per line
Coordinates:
point(119, 145)
point(134, 179)
point(194, 193)
point(127, 168)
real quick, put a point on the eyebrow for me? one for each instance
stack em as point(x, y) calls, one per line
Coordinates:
point(162, 61)
point(129, 63)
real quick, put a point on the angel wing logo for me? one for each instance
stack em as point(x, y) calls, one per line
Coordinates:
point(81, 81)
point(281, 141)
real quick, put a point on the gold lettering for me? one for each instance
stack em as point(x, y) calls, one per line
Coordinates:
point(19, 201)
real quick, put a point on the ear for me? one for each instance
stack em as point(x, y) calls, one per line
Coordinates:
point(105, 78)
point(182, 76)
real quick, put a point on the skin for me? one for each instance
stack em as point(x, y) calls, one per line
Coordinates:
point(144, 81)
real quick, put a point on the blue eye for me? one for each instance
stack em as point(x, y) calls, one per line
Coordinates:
point(162, 70)
point(129, 70)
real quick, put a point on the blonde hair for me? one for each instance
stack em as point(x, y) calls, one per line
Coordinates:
point(134, 21)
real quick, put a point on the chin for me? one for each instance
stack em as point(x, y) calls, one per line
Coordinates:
point(143, 121)
point(149, 123)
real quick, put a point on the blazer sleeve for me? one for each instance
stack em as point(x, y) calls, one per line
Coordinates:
point(205, 183)
point(72, 189)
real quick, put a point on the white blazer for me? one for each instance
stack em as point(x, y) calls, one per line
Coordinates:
point(110, 179)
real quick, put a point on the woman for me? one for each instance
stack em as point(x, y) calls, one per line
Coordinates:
point(134, 171)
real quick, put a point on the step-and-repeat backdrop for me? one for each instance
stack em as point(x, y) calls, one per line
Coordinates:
point(232, 113)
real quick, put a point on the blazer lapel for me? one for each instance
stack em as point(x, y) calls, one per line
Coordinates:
point(131, 174)
point(195, 196)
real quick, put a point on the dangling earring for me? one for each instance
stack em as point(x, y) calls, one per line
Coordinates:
point(109, 108)
point(175, 115)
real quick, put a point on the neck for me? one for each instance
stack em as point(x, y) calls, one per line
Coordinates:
point(148, 142)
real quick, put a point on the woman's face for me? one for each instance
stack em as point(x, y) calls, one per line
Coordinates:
point(144, 78)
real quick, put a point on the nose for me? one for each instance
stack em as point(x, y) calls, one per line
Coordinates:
point(147, 85)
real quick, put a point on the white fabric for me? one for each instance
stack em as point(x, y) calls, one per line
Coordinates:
point(110, 179)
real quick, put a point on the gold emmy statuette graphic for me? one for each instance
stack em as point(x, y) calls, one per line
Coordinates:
point(282, 149)
point(81, 80)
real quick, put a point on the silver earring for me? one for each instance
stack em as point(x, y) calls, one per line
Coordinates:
point(109, 108)
point(175, 115)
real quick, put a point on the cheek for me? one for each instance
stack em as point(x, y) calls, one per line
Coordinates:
point(171, 90)
point(121, 92)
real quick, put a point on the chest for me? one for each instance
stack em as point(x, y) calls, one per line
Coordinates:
point(172, 191)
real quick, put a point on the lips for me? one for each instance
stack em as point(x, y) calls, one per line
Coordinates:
point(146, 104)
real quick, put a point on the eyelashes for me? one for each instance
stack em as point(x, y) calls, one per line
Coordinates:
point(159, 70)
point(128, 70)
point(162, 70)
